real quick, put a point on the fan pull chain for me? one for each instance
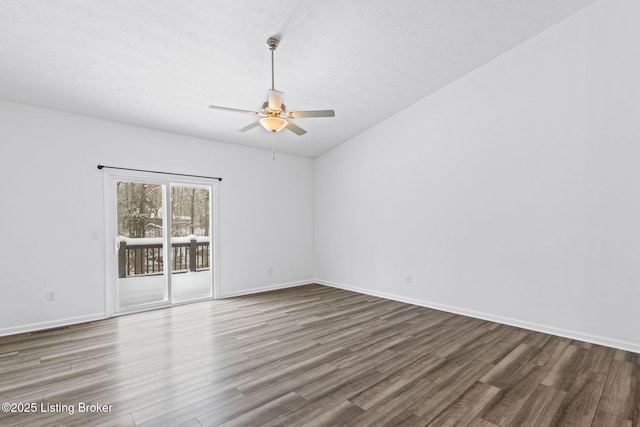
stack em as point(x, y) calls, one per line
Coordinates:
point(273, 144)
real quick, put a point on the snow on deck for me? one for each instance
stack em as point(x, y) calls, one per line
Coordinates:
point(147, 289)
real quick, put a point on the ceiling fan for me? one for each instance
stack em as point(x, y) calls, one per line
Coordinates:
point(274, 114)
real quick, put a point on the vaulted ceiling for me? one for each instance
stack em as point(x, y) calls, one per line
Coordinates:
point(161, 63)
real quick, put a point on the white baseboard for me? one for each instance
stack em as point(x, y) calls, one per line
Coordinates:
point(32, 327)
point(594, 339)
point(266, 288)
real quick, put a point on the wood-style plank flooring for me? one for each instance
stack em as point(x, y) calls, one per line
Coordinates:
point(314, 356)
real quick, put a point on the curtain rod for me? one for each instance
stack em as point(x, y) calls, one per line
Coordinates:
point(164, 173)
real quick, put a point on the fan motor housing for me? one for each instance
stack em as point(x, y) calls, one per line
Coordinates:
point(269, 112)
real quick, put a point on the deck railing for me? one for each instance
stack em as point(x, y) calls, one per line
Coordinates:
point(144, 256)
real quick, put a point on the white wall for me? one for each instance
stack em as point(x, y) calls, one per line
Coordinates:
point(512, 194)
point(52, 200)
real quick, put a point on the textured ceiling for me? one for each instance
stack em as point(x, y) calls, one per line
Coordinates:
point(160, 63)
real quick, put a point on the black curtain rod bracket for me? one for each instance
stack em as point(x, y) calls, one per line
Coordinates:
point(164, 173)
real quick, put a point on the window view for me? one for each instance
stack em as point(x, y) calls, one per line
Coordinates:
point(141, 255)
point(190, 243)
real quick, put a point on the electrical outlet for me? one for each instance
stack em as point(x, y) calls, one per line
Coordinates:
point(270, 270)
point(51, 295)
point(408, 279)
point(95, 235)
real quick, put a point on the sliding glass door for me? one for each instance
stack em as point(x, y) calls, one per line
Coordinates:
point(190, 243)
point(140, 239)
point(163, 241)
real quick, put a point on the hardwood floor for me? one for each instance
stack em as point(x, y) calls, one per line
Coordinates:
point(314, 356)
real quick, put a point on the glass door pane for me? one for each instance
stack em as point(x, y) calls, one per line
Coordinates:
point(140, 243)
point(191, 277)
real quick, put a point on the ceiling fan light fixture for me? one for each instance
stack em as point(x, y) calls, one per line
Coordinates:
point(274, 113)
point(273, 124)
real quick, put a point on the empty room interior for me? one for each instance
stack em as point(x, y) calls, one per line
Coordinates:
point(290, 213)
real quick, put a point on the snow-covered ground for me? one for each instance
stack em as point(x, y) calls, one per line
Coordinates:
point(147, 289)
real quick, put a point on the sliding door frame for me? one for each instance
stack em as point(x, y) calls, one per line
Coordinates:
point(111, 232)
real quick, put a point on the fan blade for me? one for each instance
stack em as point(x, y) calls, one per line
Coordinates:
point(235, 110)
point(250, 126)
point(295, 129)
point(316, 113)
